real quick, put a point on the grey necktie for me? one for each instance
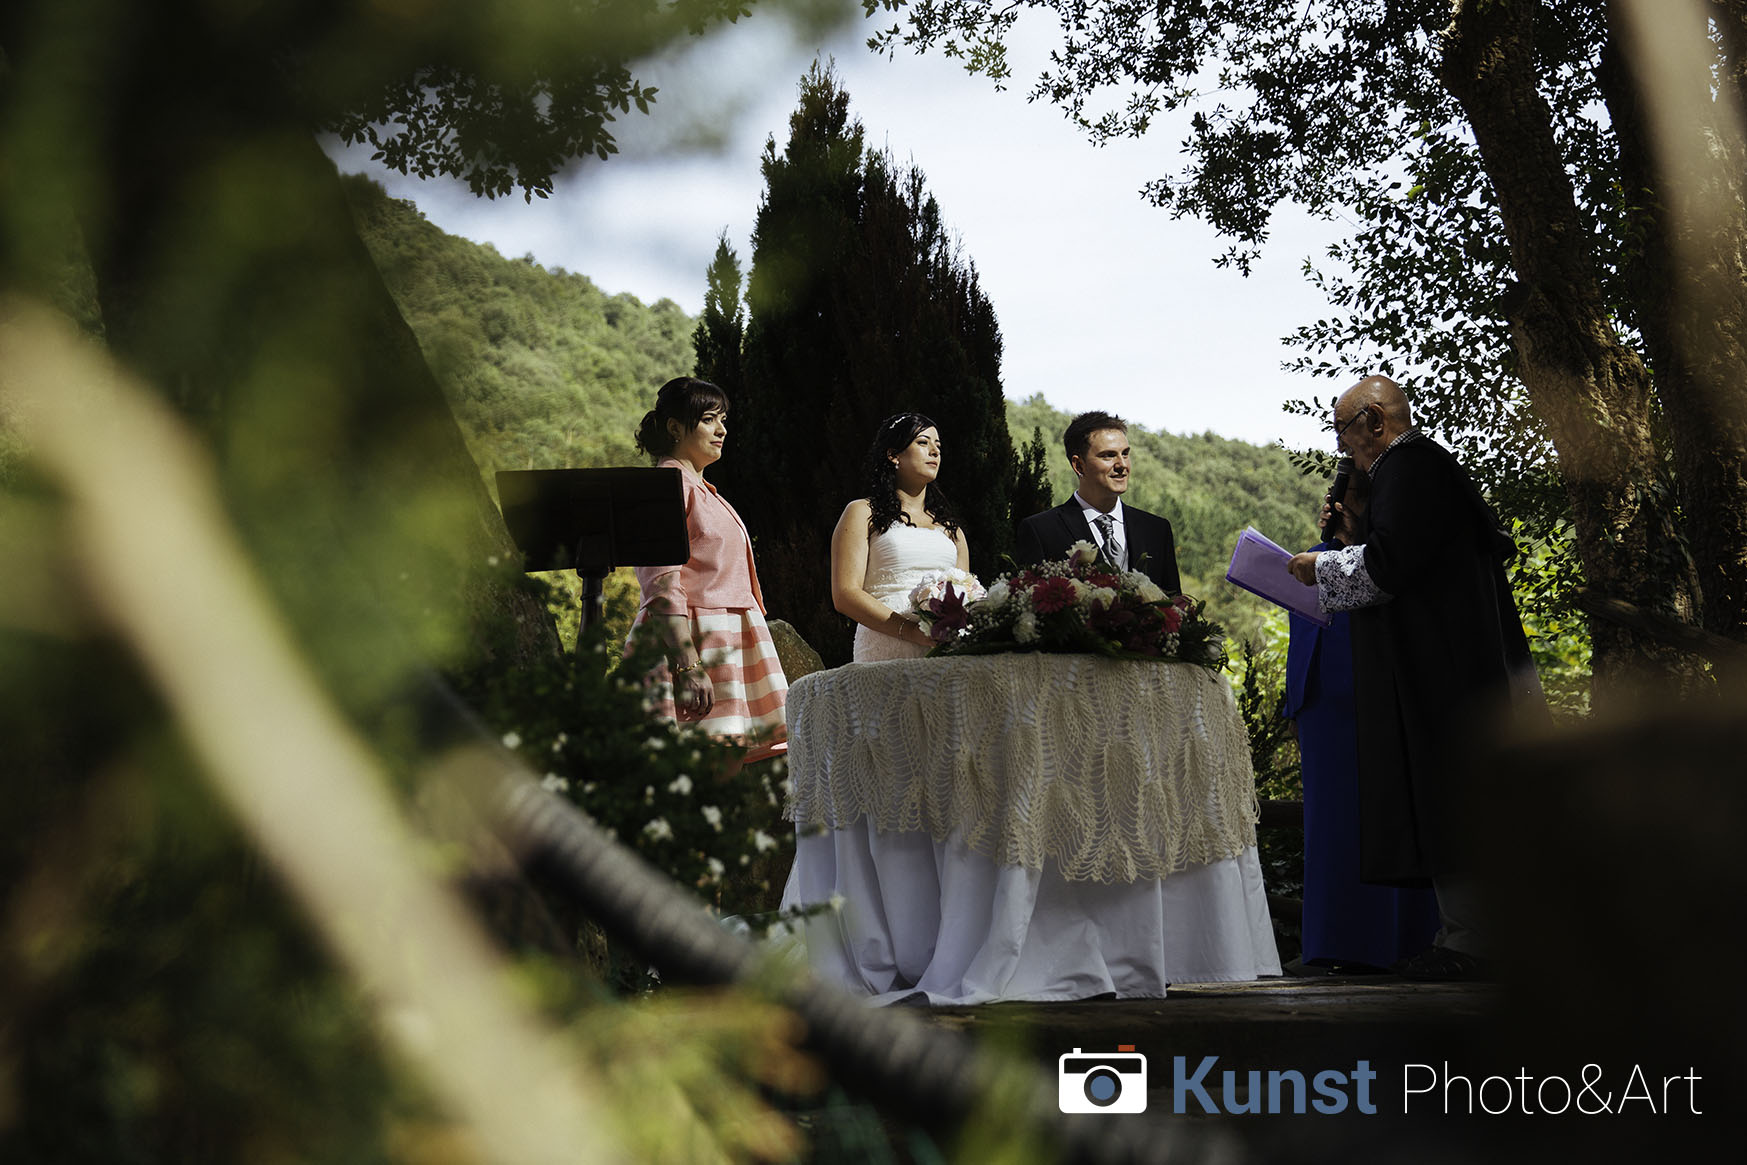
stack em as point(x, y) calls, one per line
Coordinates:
point(1112, 547)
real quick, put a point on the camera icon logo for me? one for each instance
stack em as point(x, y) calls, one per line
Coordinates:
point(1102, 1081)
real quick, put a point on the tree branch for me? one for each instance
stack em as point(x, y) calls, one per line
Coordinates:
point(1674, 633)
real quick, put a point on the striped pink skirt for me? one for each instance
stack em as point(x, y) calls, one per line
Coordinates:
point(750, 688)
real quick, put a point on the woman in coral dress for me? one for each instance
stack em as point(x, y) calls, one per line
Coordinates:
point(721, 671)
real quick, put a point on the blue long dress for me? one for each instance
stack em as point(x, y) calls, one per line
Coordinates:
point(1345, 920)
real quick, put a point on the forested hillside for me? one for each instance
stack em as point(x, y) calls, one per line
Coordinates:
point(544, 370)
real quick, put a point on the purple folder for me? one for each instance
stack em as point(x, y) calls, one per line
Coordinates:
point(1259, 566)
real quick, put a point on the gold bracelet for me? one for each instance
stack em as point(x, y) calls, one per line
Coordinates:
point(672, 670)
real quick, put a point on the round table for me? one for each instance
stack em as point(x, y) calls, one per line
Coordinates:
point(1025, 826)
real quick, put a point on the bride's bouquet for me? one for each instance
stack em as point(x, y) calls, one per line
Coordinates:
point(1082, 603)
point(940, 598)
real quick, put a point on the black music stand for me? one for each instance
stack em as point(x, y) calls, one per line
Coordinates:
point(592, 520)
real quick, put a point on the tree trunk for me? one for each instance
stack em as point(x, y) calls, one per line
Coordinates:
point(1591, 389)
point(231, 276)
point(1690, 283)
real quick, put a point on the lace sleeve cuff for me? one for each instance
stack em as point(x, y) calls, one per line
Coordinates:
point(1343, 584)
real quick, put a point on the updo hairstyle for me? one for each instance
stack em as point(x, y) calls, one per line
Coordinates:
point(684, 399)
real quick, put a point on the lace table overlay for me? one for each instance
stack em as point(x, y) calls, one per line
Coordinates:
point(1115, 770)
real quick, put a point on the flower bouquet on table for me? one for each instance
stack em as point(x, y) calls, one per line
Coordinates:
point(1083, 604)
point(940, 600)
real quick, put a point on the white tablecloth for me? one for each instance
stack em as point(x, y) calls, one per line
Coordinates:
point(1025, 827)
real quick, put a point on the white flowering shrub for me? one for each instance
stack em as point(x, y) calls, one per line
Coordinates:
point(677, 796)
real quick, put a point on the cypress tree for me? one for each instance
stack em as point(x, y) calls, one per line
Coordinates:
point(1031, 491)
point(723, 324)
point(860, 305)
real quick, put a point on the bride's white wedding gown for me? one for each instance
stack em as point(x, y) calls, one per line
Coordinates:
point(896, 562)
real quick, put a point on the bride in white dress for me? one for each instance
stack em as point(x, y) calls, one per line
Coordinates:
point(886, 541)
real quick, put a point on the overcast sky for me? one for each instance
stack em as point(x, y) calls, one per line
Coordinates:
point(1104, 301)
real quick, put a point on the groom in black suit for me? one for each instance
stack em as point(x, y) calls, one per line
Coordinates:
point(1097, 445)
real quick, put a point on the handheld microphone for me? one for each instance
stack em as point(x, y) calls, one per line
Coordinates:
point(1337, 490)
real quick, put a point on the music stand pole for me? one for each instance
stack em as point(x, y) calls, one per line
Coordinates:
point(594, 561)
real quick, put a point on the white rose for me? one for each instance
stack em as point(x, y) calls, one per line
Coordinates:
point(927, 587)
point(682, 785)
point(1104, 595)
point(1025, 627)
point(659, 830)
point(1082, 553)
point(713, 816)
point(997, 594)
point(1139, 583)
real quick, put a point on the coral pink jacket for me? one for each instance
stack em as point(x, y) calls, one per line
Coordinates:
point(720, 574)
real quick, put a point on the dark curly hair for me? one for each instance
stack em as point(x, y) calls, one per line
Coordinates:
point(684, 399)
point(894, 434)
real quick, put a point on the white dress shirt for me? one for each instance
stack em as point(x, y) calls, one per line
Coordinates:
point(1092, 513)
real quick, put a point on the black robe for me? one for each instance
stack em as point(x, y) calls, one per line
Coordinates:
point(1434, 666)
point(1152, 548)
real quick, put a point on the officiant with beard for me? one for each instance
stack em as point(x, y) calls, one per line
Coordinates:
point(1129, 538)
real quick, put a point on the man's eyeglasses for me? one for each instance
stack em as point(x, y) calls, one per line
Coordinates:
point(1340, 429)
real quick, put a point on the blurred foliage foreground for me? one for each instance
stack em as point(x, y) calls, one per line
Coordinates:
point(226, 930)
point(235, 533)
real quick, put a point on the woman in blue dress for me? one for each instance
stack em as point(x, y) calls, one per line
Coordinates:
point(1349, 925)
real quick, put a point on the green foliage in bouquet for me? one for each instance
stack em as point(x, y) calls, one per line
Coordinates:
point(1082, 604)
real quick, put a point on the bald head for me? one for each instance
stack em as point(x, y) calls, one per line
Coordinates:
point(1368, 416)
point(1383, 393)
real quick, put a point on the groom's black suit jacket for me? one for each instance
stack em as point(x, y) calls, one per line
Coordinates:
point(1151, 548)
